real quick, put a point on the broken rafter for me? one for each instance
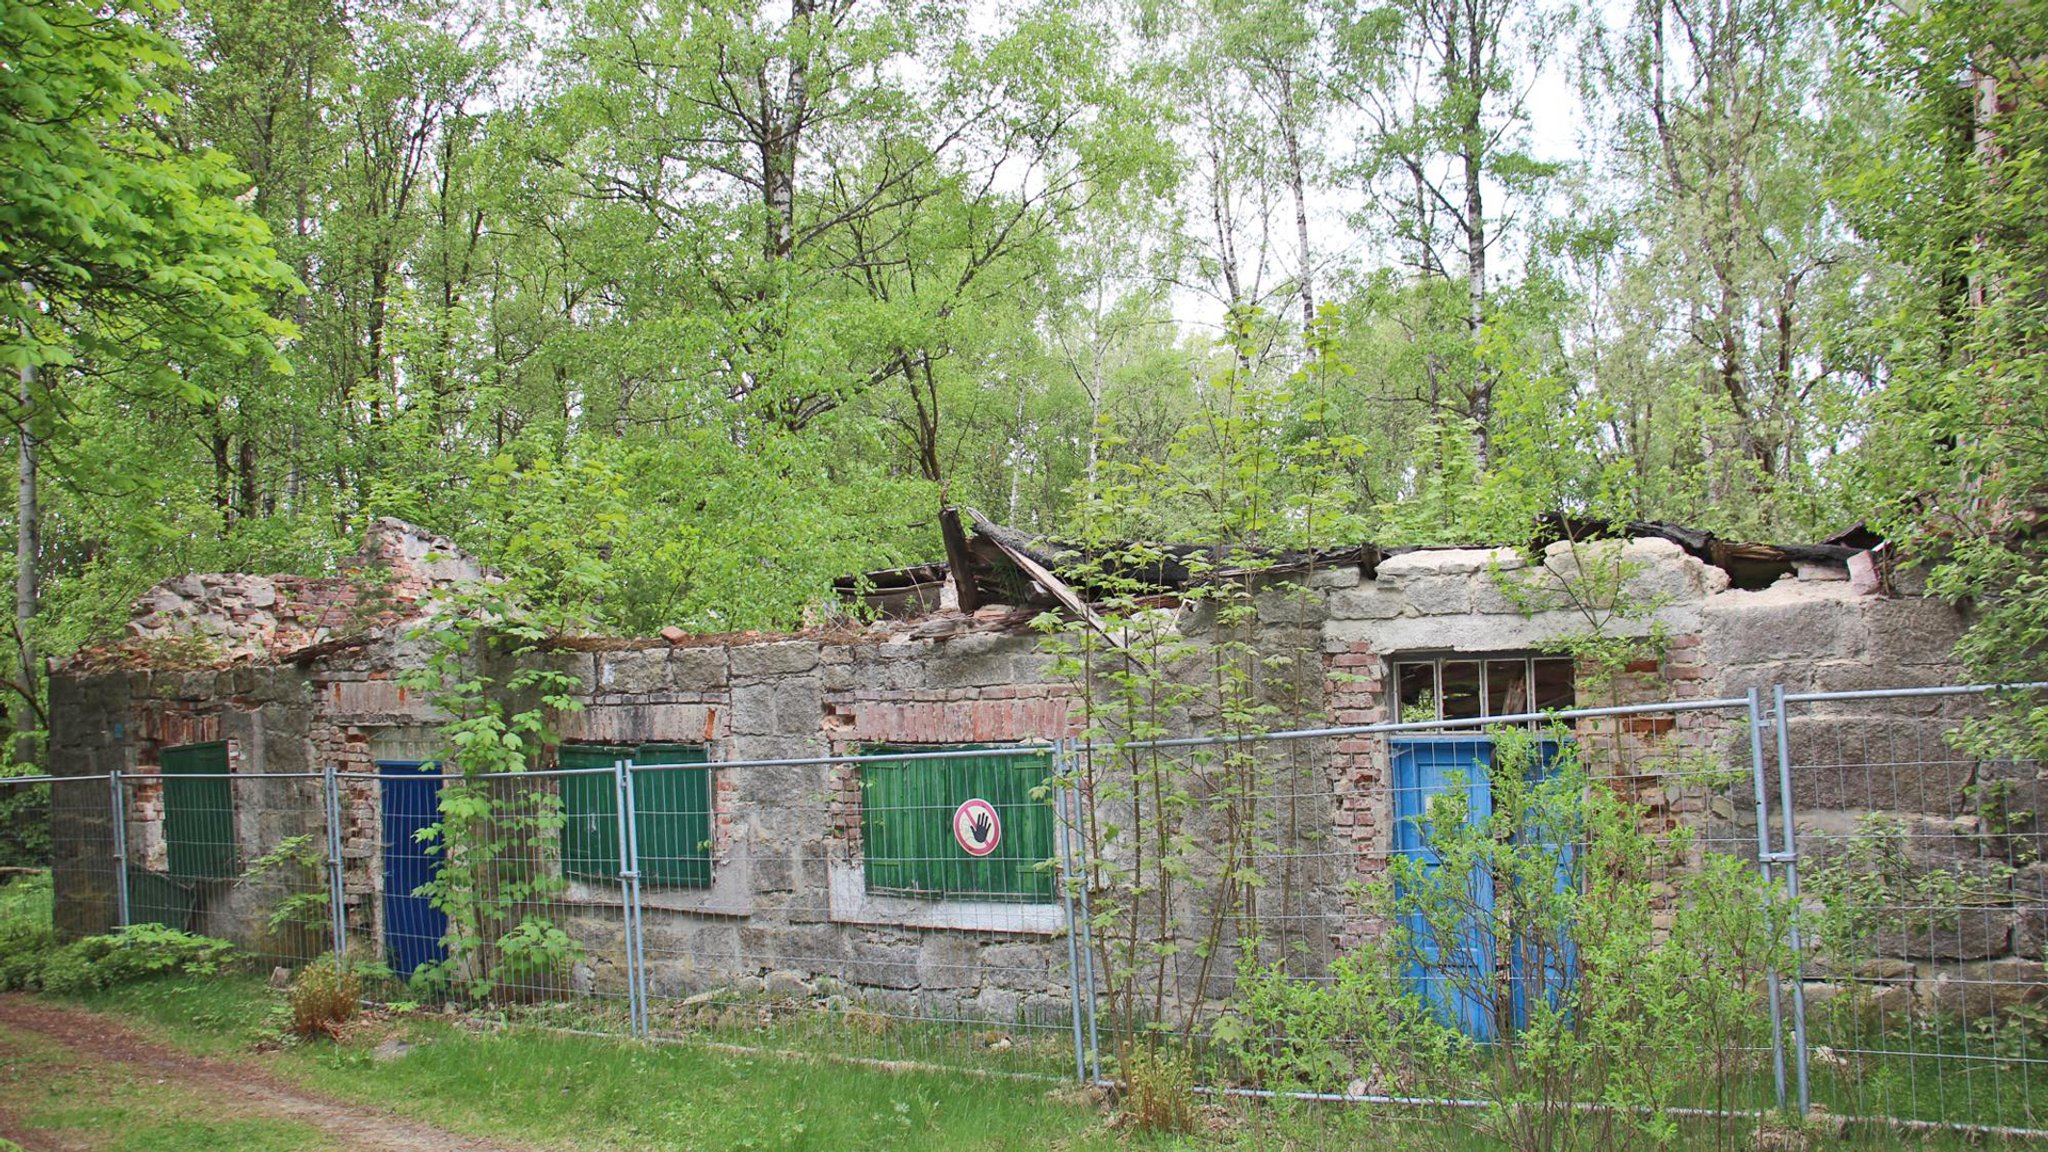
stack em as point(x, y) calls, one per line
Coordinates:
point(1069, 599)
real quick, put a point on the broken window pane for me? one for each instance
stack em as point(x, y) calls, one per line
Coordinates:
point(1461, 689)
point(1554, 684)
point(1416, 684)
point(1507, 687)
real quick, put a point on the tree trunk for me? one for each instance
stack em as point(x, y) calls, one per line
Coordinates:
point(1473, 153)
point(1290, 138)
point(245, 469)
point(223, 474)
point(27, 550)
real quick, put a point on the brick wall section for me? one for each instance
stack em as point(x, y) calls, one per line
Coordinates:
point(980, 692)
point(1357, 693)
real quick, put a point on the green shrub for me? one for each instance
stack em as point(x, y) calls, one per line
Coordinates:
point(26, 935)
point(24, 820)
point(324, 997)
point(138, 952)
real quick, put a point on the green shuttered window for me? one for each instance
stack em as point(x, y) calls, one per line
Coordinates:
point(199, 812)
point(907, 841)
point(672, 806)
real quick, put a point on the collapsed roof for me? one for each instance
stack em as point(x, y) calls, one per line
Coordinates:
point(1006, 566)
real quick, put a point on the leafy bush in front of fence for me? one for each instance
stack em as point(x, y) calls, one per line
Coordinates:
point(24, 820)
point(1159, 1090)
point(1656, 961)
point(31, 958)
point(1880, 892)
point(27, 935)
point(536, 955)
point(128, 955)
point(499, 837)
point(295, 867)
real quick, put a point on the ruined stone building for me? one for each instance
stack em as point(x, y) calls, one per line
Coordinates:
point(780, 873)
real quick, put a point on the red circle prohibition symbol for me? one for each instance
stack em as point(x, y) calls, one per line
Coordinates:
point(977, 828)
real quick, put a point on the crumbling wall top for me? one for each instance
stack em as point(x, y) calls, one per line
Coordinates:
point(212, 618)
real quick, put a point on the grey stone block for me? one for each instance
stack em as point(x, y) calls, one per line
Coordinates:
point(1366, 602)
point(1911, 632)
point(781, 658)
point(1958, 934)
point(976, 660)
point(1972, 990)
point(1290, 606)
point(884, 966)
point(947, 961)
point(1033, 667)
point(1439, 595)
point(1022, 967)
point(1866, 763)
point(799, 705)
point(1447, 562)
point(783, 983)
point(998, 1005)
point(1330, 578)
point(698, 669)
point(632, 673)
point(754, 710)
point(769, 873)
point(1782, 623)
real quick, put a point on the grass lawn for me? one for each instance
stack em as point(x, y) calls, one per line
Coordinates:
point(565, 1091)
point(552, 1090)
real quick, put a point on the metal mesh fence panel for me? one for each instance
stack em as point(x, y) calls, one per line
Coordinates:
point(86, 864)
point(1287, 900)
point(488, 891)
point(901, 907)
point(1920, 861)
point(238, 856)
point(1707, 909)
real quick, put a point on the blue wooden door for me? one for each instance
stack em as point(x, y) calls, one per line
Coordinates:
point(1456, 975)
point(1536, 962)
point(1459, 976)
point(413, 927)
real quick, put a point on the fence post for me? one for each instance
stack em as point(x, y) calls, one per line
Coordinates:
point(1764, 859)
point(1791, 859)
point(629, 894)
point(337, 914)
point(1087, 929)
point(117, 807)
point(1067, 885)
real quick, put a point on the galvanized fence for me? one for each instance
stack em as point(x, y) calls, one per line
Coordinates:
point(1295, 923)
point(1050, 910)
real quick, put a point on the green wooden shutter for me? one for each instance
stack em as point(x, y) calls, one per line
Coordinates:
point(672, 808)
point(199, 812)
point(590, 812)
point(907, 843)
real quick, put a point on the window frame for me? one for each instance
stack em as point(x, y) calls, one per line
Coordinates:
point(1437, 660)
point(691, 870)
point(1032, 884)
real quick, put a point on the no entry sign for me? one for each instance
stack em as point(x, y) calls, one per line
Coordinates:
point(977, 828)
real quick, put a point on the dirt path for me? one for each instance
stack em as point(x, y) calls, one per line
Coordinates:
point(213, 1085)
